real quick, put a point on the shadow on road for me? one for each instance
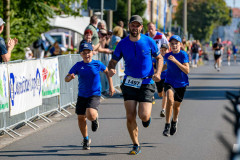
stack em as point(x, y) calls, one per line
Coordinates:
point(69, 148)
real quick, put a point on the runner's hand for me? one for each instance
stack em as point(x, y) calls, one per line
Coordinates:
point(172, 58)
point(156, 77)
point(72, 76)
point(111, 91)
point(111, 72)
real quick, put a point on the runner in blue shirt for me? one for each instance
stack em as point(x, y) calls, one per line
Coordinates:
point(89, 90)
point(160, 84)
point(138, 84)
point(175, 83)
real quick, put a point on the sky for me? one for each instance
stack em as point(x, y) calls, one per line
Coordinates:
point(230, 3)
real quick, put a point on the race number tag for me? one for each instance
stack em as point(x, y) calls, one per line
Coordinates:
point(133, 82)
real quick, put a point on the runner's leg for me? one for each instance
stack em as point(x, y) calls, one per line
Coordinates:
point(169, 106)
point(144, 111)
point(131, 113)
point(176, 110)
point(82, 123)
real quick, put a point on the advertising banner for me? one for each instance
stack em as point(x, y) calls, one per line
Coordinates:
point(4, 95)
point(51, 80)
point(25, 86)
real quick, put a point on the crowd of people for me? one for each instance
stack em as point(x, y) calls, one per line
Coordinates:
point(152, 60)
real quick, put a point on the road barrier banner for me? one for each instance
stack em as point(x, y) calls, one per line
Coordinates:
point(25, 85)
point(4, 96)
point(51, 80)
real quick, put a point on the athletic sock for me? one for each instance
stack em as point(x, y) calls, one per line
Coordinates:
point(86, 138)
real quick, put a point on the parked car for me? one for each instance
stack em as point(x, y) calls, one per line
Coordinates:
point(62, 38)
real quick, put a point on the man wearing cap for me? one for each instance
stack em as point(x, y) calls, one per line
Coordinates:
point(93, 27)
point(176, 82)
point(89, 90)
point(138, 84)
point(5, 52)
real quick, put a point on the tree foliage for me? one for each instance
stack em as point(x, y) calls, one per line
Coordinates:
point(203, 16)
point(137, 7)
point(29, 18)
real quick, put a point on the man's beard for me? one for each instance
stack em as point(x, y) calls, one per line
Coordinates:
point(134, 34)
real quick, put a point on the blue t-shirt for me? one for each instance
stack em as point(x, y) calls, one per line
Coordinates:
point(163, 74)
point(89, 82)
point(175, 76)
point(3, 48)
point(137, 57)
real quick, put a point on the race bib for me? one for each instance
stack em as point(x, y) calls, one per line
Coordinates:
point(133, 82)
point(218, 52)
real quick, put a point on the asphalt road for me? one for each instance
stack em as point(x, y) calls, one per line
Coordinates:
point(203, 131)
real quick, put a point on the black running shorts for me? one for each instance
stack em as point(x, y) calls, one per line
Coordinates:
point(143, 94)
point(178, 92)
point(84, 103)
point(160, 85)
point(216, 56)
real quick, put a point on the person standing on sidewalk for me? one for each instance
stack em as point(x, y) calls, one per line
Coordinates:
point(93, 27)
point(89, 90)
point(176, 83)
point(138, 84)
point(5, 52)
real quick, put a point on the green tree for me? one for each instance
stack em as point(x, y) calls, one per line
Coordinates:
point(137, 7)
point(30, 18)
point(203, 16)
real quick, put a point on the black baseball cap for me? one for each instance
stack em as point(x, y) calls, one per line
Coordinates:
point(136, 18)
point(164, 45)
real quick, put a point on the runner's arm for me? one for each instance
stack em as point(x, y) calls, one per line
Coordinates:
point(111, 67)
point(69, 77)
point(159, 66)
point(110, 82)
point(164, 67)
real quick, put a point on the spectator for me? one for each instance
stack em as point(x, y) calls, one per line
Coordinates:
point(5, 52)
point(101, 25)
point(195, 54)
point(28, 53)
point(121, 24)
point(55, 50)
point(117, 34)
point(96, 48)
point(103, 40)
point(93, 27)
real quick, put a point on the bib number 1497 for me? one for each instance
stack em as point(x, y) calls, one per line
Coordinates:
point(133, 82)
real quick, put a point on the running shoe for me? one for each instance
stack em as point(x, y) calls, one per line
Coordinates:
point(146, 124)
point(173, 128)
point(95, 125)
point(218, 69)
point(86, 144)
point(162, 113)
point(136, 149)
point(166, 131)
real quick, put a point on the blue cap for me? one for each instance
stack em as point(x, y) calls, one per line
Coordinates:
point(86, 45)
point(176, 37)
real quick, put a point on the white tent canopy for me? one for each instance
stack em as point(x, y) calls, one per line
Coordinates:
point(77, 24)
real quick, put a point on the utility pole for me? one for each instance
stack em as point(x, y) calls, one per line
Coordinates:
point(102, 6)
point(129, 11)
point(185, 19)
point(109, 19)
point(6, 17)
